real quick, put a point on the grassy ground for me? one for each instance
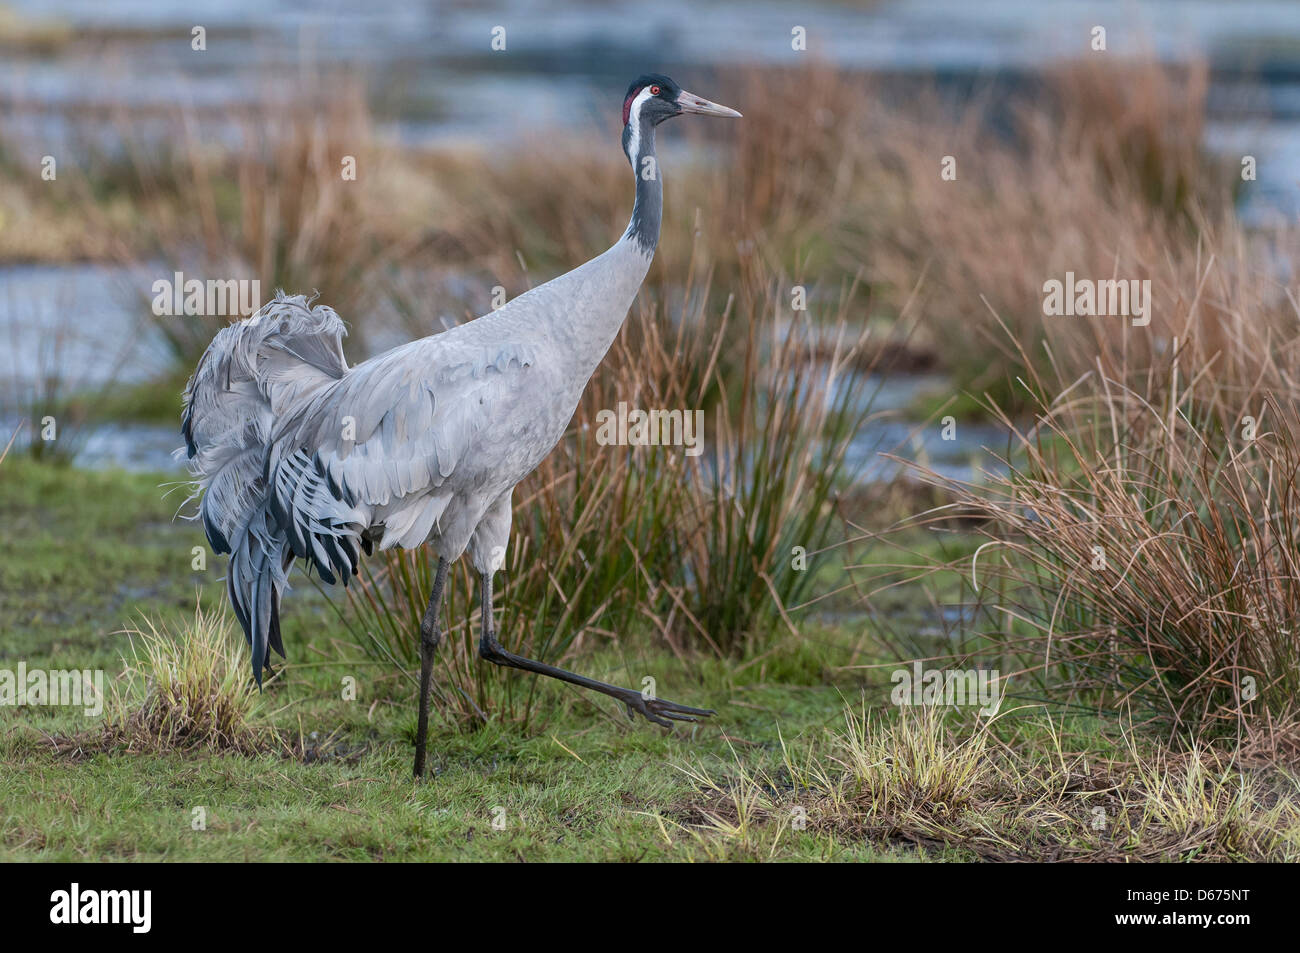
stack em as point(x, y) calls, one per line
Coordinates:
point(88, 551)
point(779, 774)
point(807, 758)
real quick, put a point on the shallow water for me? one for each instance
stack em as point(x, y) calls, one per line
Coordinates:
point(564, 64)
point(83, 323)
point(140, 448)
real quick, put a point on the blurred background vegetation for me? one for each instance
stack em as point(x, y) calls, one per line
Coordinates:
point(824, 427)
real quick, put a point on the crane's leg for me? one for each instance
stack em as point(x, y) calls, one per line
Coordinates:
point(430, 637)
point(658, 710)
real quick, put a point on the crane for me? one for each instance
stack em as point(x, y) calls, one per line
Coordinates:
point(296, 455)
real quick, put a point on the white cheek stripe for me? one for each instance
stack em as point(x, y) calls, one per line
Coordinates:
point(634, 124)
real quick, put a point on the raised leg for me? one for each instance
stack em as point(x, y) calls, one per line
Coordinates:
point(657, 710)
point(430, 636)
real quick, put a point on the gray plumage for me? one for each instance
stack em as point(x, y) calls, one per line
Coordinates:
point(299, 455)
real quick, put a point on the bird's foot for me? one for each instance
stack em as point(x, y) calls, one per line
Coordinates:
point(657, 710)
point(660, 710)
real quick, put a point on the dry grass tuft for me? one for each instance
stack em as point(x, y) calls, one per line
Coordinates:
point(186, 690)
point(914, 779)
point(1142, 547)
point(1142, 555)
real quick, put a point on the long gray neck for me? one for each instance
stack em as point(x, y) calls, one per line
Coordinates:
point(648, 210)
point(579, 313)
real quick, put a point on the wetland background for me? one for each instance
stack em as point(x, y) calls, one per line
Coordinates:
point(919, 465)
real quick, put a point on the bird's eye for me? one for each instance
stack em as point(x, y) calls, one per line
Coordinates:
point(654, 90)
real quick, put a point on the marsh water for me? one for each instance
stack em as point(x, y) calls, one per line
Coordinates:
point(436, 82)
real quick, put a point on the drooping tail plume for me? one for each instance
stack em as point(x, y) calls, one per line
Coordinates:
point(254, 374)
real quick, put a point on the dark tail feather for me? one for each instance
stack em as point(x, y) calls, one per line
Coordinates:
point(236, 598)
point(260, 633)
point(255, 595)
point(276, 643)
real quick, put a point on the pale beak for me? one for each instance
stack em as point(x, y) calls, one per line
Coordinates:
point(690, 103)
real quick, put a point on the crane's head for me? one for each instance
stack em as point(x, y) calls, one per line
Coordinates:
point(652, 98)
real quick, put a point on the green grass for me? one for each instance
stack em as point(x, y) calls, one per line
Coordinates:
point(82, 551)
point(90, 554)
point(580, 790)
point(156, 401)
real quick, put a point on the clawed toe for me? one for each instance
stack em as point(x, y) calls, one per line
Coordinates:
point(657, 710)
point(663, 712)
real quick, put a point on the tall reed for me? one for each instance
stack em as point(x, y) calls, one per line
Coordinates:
point(1143, 541)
